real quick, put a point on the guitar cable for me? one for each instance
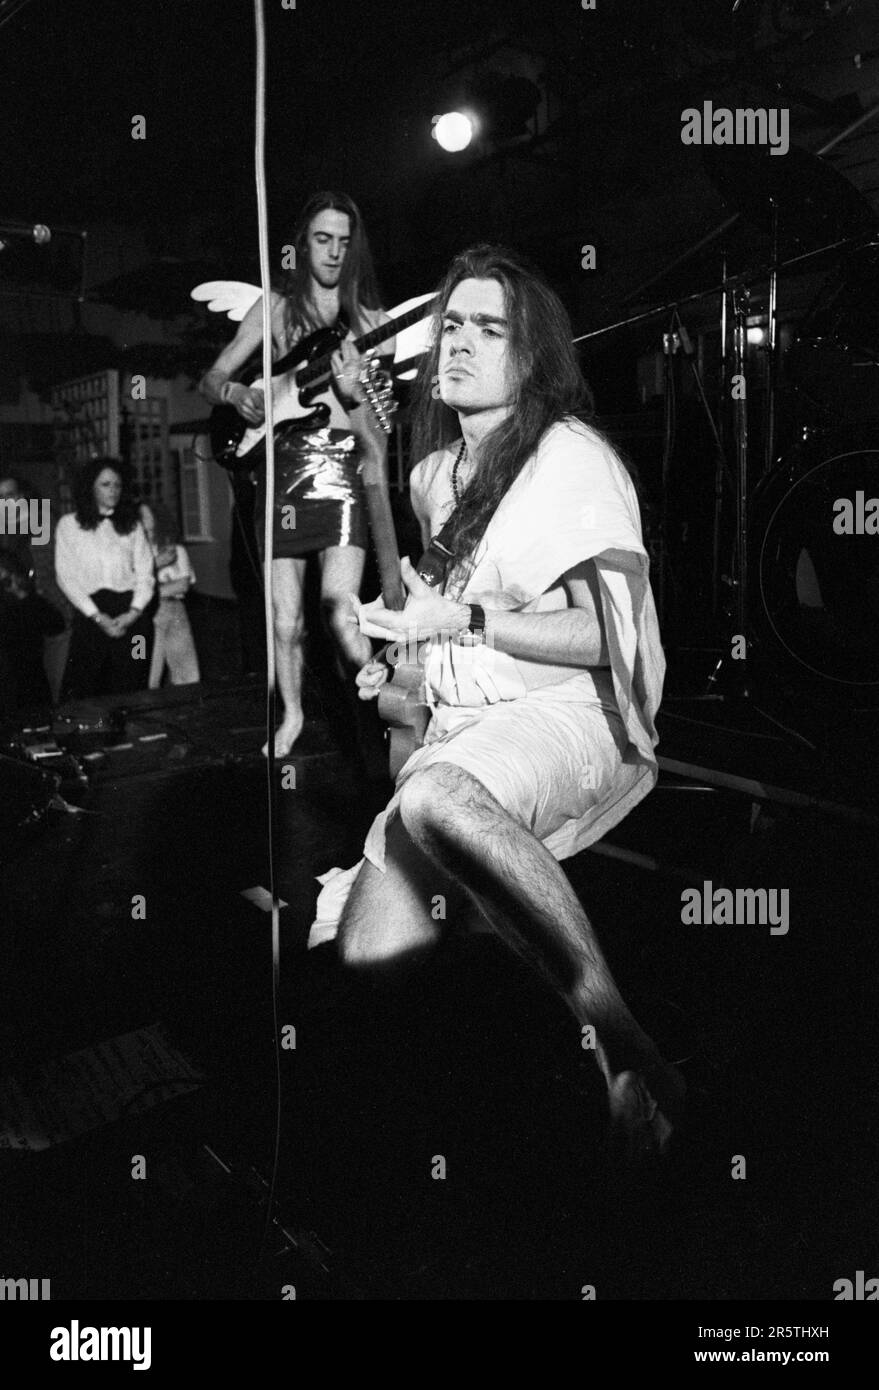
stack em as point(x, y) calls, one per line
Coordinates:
point(271, 693)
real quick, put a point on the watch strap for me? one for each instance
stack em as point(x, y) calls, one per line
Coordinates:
point(477, 618)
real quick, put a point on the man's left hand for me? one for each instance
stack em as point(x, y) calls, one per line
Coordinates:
point(427, 613)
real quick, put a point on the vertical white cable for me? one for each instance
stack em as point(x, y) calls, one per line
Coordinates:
point(265, 281)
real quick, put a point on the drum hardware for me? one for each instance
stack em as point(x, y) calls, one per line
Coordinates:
point(816, 588)
point(739, 576)
point(731, 221)
point(675, 339)
point(797, 598)
point(720, 463)
point(771, 348)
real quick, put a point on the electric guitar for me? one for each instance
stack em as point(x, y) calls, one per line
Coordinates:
point(401, 701)
point(239, 447)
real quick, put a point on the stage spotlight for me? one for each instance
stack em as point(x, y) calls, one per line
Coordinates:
point(756, 334)
point(453, 131)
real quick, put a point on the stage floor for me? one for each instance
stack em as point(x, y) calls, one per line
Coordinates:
point(474, 1062)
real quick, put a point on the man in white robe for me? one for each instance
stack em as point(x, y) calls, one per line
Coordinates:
point(543, 670)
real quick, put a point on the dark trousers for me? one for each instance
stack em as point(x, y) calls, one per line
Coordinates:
point(102, 665)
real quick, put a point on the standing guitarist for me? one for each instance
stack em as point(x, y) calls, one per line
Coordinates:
point(316, 469)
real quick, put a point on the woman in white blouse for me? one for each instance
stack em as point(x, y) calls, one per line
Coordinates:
point(104, 565)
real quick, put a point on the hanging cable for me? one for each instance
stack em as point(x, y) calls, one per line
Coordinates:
point(271, 694)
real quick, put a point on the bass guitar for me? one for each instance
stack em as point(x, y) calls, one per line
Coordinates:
point(297, 378)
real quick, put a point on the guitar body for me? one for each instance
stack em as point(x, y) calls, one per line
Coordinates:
point(402, 705)
point(298, 379)
point(239, 446)
point(226, 430)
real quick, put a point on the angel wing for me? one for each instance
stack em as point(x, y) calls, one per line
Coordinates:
point(230, 297)
point(235, 297)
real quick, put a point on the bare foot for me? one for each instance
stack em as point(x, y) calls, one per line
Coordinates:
point(645, 1109)
point(286, 735)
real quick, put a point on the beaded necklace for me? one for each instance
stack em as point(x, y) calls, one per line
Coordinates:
point(455, 490)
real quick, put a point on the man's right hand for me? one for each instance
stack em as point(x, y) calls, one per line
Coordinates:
point(249, 401)
point(370, 679)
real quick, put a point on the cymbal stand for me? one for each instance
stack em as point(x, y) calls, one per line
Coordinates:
point(771, 351)
point(720, 462)
point(742, 688)
point(739, 578)
point(676, 337)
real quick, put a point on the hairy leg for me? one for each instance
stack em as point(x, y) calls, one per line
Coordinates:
point(526, 898)
point(388, 920)
point(287, 601)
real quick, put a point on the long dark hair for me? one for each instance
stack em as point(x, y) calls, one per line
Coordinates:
point(358, 287)
point(165, 529)
point(548, 385)
point(125, 517)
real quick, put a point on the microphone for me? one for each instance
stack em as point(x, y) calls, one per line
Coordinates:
point(38, 233)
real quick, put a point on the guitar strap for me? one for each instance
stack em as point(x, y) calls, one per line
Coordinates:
point(436, 562)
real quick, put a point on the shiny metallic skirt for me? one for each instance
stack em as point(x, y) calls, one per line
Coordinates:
point(319, 498)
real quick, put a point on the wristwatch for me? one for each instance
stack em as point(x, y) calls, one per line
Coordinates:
point(476, 627)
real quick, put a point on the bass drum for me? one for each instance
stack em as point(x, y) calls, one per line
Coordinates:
point(815, 570)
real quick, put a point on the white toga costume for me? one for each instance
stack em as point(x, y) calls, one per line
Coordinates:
point(567, 751)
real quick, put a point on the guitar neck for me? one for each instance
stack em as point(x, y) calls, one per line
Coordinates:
point(321, 365)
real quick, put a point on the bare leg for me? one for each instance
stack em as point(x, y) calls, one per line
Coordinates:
point(524, 894)
point(387, 921)
point(287, 584)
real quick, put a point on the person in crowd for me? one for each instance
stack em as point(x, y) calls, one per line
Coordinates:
point(104, 566)
point(26, 618)
point(173, 642)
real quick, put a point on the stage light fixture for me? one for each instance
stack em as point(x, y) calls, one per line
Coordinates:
point(453, 131)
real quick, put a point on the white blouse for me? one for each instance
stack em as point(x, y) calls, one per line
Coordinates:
point(86, 561)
